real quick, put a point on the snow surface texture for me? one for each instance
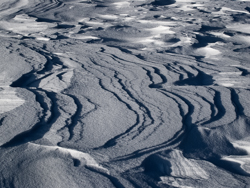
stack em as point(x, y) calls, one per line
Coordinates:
point(146, 93)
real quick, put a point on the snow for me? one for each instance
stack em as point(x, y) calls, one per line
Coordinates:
point(147, 93)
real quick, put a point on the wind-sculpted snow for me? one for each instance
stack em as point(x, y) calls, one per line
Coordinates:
point(147, 93)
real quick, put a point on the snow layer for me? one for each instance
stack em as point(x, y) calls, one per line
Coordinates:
point(147, 93)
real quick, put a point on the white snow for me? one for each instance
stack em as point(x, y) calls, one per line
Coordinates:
point(105, 93)
point(9, 99)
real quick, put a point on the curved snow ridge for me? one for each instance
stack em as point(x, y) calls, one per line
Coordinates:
point(173, 163)
point(84, 158)
point(59, 77)
point(207, 107)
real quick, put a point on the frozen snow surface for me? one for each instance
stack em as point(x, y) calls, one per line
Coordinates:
point(124, 94)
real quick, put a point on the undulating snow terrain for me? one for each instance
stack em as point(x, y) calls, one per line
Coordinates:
point(124, 94)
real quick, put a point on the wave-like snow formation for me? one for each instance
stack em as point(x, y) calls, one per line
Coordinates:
point(146, 93)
